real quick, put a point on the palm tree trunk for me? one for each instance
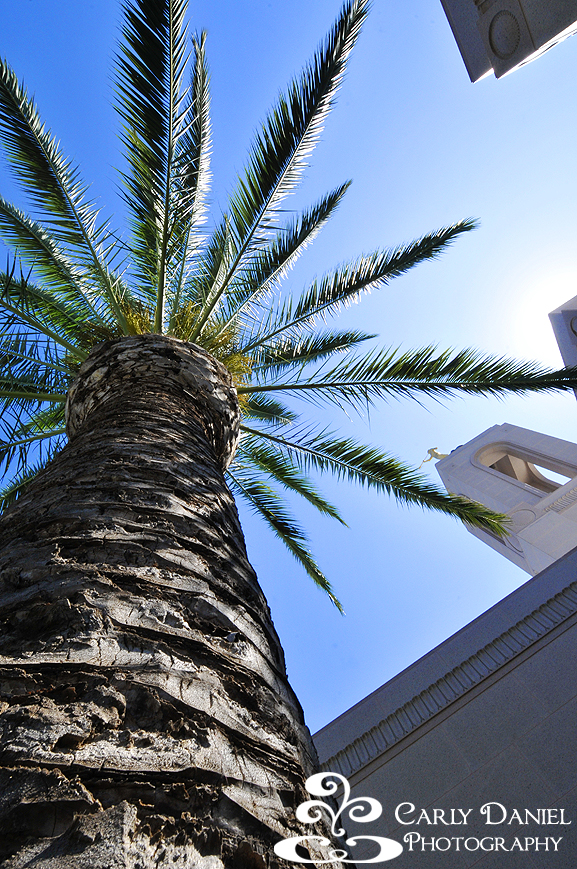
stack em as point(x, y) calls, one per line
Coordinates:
point(146, 719)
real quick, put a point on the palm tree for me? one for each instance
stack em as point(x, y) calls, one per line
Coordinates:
point(145, 715)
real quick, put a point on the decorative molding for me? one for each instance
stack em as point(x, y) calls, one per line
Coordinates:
point(454, 684)
point(563, 502)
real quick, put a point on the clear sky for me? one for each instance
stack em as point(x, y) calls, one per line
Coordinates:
point(424, 148)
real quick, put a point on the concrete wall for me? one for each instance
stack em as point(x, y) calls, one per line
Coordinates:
point(509, 736)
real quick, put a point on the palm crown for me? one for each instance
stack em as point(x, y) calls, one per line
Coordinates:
point(74, 283)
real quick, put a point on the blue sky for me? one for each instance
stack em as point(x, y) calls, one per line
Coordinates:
point(424, 147)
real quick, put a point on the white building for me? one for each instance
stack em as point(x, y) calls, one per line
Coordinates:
point(490, 715)
point(501, 35)
point(507, 469)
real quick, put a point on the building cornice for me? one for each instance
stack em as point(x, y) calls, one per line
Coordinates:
point(455, 683)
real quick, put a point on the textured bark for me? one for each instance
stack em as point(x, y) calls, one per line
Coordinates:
point(146, 719)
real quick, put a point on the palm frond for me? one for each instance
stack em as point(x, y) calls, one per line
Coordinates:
point(26, 439)
point(359, 381)
point(192, 176)
point(246, 297)
point(52, 182)
point(267, 503)
point(22, 352)
point(28, 390)
point(368, 466)
point(27, 382)
point(17, 485)
point(30, 427)
point(42, 254)
point(285, 353)
point(57, 320)
point(279, 153)
point(154, 105)
point(346, 284)
point(9, 448)
point(278, 465)
point(267, 409)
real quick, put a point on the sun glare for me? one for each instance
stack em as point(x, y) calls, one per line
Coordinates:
point(531, 332)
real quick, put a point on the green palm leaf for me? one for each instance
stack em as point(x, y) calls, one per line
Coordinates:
point(52, 316)
point(52, 182)
point(360, 381)
point(8, 449)
point(274, 462)
point(345, 458)
point(41, 253)
point(287, 354)
point(192, 176)
point(21, 353)
point(24, 438)
point(268, 504)
point(81, 283)
point(346, 284)
point(18, 484)
point(279, 154)
point(157, 112)
point(29, 390)
point(267, 409)
point(247, 297)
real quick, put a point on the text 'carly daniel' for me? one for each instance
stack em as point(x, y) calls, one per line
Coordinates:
point(493, 813)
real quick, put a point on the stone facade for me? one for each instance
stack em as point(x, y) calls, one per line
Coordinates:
point(500, 35)
point(489, 716)
point(529, 476)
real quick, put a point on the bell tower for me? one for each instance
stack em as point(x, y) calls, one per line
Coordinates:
point(564, 322)
point(529, 476)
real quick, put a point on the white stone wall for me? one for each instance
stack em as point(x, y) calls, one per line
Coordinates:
point(510, 738)
point(501, 35)
point(543, 512)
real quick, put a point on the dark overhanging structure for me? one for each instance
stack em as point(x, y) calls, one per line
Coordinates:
point(501, 35)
